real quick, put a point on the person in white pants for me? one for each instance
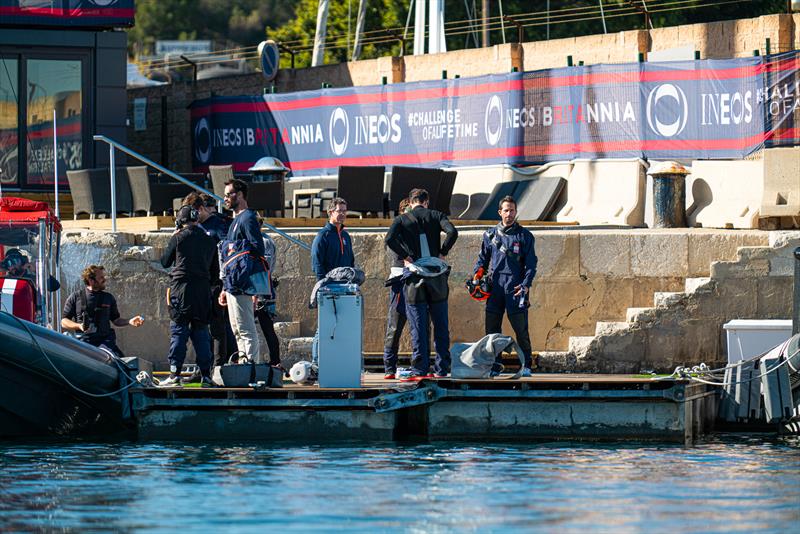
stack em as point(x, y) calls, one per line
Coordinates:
point(245, 226)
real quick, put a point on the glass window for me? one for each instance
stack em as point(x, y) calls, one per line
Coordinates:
point(53, 84)
point(9, 112)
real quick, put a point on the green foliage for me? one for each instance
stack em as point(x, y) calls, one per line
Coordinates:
point(380, 14)
point(239, 22)
point(293, 23)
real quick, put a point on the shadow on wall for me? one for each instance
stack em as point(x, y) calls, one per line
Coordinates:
point(701, 197)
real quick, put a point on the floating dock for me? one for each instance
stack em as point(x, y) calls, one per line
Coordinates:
point(542, 407)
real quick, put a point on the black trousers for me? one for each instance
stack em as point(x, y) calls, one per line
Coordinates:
point(273, 344)
point(519, 322)
point(396, 321)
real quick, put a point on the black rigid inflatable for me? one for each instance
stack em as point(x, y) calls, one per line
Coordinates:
point(35, 401)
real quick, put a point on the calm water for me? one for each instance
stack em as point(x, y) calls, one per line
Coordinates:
point(723, 484)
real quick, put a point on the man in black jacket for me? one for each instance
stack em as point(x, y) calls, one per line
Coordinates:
point(193, 254)
point(414, 235)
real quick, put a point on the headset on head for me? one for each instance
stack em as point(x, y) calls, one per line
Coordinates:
point(186, 214)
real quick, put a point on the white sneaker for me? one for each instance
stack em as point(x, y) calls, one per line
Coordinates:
point(173, 381)
point(526, 372)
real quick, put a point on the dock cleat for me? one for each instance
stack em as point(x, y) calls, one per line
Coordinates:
point(173, 381)
point(525, 372)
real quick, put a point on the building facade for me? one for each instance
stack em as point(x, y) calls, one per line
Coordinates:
point(62, 63)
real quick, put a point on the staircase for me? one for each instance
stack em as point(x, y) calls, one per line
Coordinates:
point(685, 328)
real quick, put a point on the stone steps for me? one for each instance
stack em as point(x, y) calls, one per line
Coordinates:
point(682, 327)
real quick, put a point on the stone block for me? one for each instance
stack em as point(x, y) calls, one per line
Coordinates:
point(644, 288)
point(607, 254)
point(705, 247)
point(698, 285)
point(662, 254)
point(665, 299)
point(774, 297)
point(729, 269)
point(640, 315)
point(558, 254)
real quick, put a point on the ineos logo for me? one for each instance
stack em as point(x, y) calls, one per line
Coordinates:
point(675, 93)
point(337, 116)
point(494, 105)
point(202, 138)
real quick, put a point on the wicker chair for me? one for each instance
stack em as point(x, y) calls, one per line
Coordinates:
point(151, 197)
point(91, 192)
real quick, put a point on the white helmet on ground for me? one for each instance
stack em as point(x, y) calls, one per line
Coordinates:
point(303, 373)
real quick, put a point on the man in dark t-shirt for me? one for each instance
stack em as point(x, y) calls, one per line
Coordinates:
point(90, 312)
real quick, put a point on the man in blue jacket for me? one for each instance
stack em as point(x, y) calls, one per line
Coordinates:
point(245, 230)
point(332, 247)
point(507, 255)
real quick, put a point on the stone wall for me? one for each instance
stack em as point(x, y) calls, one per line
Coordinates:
point(168, 116)
point(584, 276)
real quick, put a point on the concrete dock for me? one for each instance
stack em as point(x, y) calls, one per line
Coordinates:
point(542, 407)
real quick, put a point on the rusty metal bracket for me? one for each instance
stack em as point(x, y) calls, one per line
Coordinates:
point(426, 394)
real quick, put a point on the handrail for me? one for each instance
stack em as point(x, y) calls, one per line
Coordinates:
point(114, 144)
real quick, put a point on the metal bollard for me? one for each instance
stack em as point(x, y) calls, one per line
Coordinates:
point(669, 194)
point(796, 299)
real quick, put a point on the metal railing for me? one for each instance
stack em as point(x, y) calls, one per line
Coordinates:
point(114, 145)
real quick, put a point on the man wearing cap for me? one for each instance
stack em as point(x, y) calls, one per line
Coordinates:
point(507, 255)
point(193, 254)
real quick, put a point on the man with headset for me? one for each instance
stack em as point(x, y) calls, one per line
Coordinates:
point(193, 254)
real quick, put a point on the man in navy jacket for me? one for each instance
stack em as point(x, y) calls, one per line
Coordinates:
point(332, 248)
point(507, 255)
point(245, 229)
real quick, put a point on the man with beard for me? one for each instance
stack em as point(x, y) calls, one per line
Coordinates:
point(245, 232)
point(91, 311)
point(507, 256)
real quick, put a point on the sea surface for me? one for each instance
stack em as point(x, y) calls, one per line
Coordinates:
point(729, 483)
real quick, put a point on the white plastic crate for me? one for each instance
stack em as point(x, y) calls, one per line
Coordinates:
point(748, 338)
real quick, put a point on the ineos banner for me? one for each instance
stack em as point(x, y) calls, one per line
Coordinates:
point(73, 13)
point(694, 110)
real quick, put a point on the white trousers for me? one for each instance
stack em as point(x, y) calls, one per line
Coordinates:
point(243, 324)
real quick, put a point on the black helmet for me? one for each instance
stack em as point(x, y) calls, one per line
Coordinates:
point(479, 289)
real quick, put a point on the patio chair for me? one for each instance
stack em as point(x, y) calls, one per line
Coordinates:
point(151, 197)
point(91, 192)
point(362, 188)
point(446, 186)
point(404, 179)
point(219, 175)
point(536, 198)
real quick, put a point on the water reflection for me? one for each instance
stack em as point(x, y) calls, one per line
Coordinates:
point(724, 484)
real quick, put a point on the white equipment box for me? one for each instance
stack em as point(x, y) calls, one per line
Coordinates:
point(340, 317)
point(748, 338)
